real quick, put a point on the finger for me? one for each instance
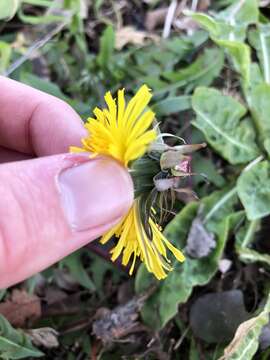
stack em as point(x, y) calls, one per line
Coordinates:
point(36, 123)
point(7, 155)
point(51, 206)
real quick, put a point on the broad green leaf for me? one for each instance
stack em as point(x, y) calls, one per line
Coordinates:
point(240, 54)
point(14, 344)
point(230, 24)
point(219, 117)
point(43, 85)
point(258, 98)
point(172, 105)
point(177, 287)
point(260, 40)
point(228, 30)
point(5, 55)
point(256, 77)
point(253, 187)
point(201, 72)
point(107, 42)
point(206, 21)
point(74, 263)
point(53, 89)
point(8, 8)
point(242, 13)
point(246, 340)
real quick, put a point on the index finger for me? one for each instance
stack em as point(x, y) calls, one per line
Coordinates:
point(34, 122)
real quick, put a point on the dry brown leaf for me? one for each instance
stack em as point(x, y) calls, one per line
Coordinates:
point(154, 18)
point(21, 307)
point(129, 35)
point(46, 337)
point(203, 5)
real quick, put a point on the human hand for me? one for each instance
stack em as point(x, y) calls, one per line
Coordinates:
point(51, 202)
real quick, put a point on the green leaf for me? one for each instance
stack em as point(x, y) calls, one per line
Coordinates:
point(52, 89)
point(14, 344)
point(42, 85)
point(203, 165)
point(253, 187)
point(241, 13)
point(177, 287)
point(249, 256)
point(37, 20)
point(172, 105)
point(206, 21)
point(240, 54)
point(107, 42)
point(246, 340)
point(258, 98)
point(260, 40)
point(43, 19)
point(5, 55)
point(219, 118)
point(230, 24)
point(74, 263)
point(201, 72)
point(244, 237)
point(8, 8)
point(228, 30)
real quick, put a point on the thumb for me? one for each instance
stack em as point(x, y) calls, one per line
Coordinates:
point(53, 205)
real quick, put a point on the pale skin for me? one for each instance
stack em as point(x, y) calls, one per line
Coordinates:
point(51, 202)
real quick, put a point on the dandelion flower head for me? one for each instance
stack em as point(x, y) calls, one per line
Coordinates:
point(125, 132)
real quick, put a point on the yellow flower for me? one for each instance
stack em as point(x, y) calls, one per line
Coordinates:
point(120, 131)
point(124, 133)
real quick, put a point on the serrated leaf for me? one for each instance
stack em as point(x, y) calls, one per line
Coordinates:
point(258, 99)
point(246, 340)
point(260, 40)
point(219, 117)
point(177, 287)
point(14, 344)
point(253, 187)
